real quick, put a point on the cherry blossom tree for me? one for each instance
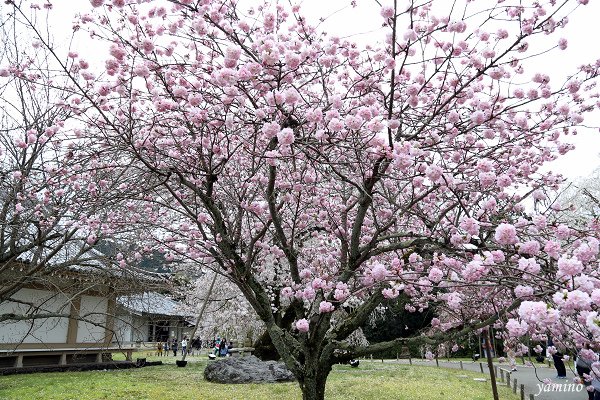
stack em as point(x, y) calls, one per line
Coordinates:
point(321, 174)
point(56, 204)
point(227, 313)
point(580, 201)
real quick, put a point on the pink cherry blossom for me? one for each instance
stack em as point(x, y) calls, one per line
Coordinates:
point(285, 137)
point(387, 12)
point(505, 234)
point(326, 307)
point(379, 272)
point(302, 325)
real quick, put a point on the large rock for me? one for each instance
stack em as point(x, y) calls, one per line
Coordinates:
point(246, 370)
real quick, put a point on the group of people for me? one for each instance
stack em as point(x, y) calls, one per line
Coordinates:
point(163, 348)
point(220, 347)
point(586, 363)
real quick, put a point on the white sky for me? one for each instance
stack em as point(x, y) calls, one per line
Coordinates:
point(342, 20)
point(582, 32)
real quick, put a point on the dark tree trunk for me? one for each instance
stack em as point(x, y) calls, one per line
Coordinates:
point(313, 387)
point(313, 380)
point(265, 349)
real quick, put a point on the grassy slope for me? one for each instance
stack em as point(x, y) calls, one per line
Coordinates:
point(167, 382)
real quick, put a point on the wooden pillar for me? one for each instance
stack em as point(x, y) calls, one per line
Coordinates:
point(99, 357)
point(19, 362)
point(63, 359)
point(73, 322)
point(110, 319)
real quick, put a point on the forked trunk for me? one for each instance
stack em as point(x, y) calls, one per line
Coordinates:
point(313, 388)
point(313, 381)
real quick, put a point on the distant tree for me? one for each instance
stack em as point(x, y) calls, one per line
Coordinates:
point(393, 322)
point(580, 201)
point(56, 202)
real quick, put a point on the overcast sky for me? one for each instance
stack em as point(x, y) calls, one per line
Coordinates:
point(363, 23)
point(582, 32)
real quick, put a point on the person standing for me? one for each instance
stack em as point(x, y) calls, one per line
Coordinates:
point(159, 349)
point(166, 348)
point(595, 367)
point(223, 348)
point(512, 359)
point(217, 347)
point(583, 365)
point(174, 347)
point(557, 357)
point(184, 345)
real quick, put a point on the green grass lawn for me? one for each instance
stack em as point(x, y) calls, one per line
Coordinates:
point(372, 380)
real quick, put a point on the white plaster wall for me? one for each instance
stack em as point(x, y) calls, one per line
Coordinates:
point(123, 329)
point(46, 330)
point(140, 329)
point(87, 331)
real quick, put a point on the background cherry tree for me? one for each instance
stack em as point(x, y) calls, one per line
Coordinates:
point(227, 313)
point(56, 201)
point(320, 174)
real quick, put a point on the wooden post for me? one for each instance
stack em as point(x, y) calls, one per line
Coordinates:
point(515, 386)
point(531, 397)
point(19, 361)
point(501, 374)
point(409, 360)
point(461, 366)
point(522, 392)
point(63, 359)
point(496, 370)
point(481, 367)
point(491, 366)
point(109, 329)
point(397, 358)
point(437, 363)
point(508, 379)
point(73, 321)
